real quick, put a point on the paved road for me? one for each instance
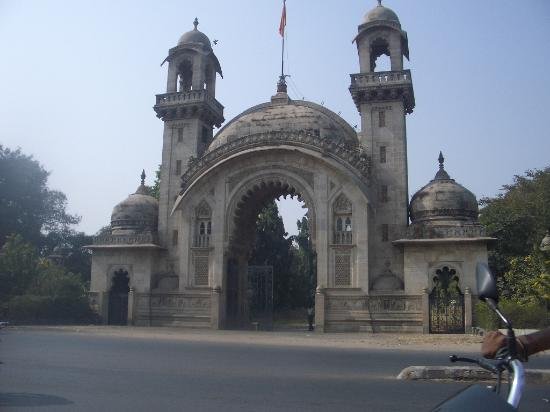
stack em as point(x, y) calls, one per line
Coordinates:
point(64, 371)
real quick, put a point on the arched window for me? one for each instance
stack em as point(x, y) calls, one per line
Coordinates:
point(380, 55)
point(185, 76)
point(343, 231)
point(339, 224)
point(203, 215)
point(348, 225)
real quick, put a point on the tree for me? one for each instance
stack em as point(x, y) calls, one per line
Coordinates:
point(155, 189)
point(18, 266)
point(27, 206)
point(304, 269)
point(518, 218)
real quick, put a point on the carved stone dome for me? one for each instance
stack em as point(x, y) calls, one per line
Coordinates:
point(443, 199)
point(381, 13)
point(138, 213)
point(195, 37)
point(285, 115)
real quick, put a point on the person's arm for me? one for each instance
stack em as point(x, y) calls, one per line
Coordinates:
point(528, 344)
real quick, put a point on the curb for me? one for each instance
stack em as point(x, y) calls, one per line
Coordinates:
point(465, 373)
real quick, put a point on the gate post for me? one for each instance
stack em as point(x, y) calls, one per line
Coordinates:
point(215, 309)
point(320, 310)
point(468, 310)
point(425, 311)
point(131, 306)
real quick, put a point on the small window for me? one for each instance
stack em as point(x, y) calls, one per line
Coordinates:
point(382, 154)
point(385, 234)
point(202, 229)
point(178, 167)
point(383, 193)
point(174, 237)
point(339, 224)
point(209, 228)
point(381, 118)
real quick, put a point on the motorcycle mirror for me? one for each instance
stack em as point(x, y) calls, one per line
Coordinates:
point(486, 283)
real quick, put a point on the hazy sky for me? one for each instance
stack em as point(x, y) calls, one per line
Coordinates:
point(78, 79)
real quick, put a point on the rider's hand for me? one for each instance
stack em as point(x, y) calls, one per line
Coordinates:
point(492, 342)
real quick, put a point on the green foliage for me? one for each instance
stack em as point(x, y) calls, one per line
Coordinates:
point(18, 266)
point(36, 290)
point(155, 189)
point(27, 206)
point(70, 244)
point(526, 280)
point(48, 309)
point(272, 248)
point(530, 315)
point(518, 217)
point(304, 269)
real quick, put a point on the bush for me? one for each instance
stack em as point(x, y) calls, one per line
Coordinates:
point(522, 315)
point(49, 309)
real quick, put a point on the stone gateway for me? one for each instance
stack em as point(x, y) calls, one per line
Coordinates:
point(382, 264)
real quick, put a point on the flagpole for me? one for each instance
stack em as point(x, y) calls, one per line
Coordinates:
point(283, 58)
point(281, 85)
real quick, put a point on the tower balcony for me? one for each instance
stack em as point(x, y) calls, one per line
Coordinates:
point(193, 103)
point(382, 87)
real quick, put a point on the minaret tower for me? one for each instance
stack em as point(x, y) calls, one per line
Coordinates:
point(383, 99)
point(190, 111)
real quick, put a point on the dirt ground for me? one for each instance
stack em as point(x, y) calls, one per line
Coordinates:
point(466, 343)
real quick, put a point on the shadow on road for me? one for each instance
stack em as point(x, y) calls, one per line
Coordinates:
point(31, 399)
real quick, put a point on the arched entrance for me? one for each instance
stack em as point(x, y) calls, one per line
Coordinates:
point(118, 298)
point(446, 302)
point(251, 288)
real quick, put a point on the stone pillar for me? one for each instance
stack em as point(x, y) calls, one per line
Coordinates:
point(468, 310)
point(216, 317)
point(131, 306)
point(425, 310)
point(320, 310)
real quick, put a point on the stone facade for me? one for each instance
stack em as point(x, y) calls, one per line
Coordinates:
point(375, 270)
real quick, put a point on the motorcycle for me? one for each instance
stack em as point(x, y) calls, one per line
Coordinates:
point(482, 398)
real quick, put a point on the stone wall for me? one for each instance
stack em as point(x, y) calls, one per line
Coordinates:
point(173, 309)
point(374, 313)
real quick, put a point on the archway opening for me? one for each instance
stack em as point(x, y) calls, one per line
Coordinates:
point(380, 56)
point(118, 298)
point(271, 274)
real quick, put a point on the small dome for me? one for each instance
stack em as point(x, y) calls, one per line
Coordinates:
point(137, 213)
point(381, 13)
point(443, 199)
point(195, 36)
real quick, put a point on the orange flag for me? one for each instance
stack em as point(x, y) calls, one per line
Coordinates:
point(283, 20)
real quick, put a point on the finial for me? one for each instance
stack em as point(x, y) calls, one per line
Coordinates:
point(281, 84)
point(441, 173)
point(143, 177)
point(196, 23)
point(379, 3)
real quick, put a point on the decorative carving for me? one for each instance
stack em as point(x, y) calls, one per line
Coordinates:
point(355, 157)
point(200, 263)
point(137, 239)
point(420, 231)
point(342, 269)
point(203, 210)
point(342, 205)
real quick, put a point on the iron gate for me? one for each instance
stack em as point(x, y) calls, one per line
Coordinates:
point(446, 303)
point(260, 295)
